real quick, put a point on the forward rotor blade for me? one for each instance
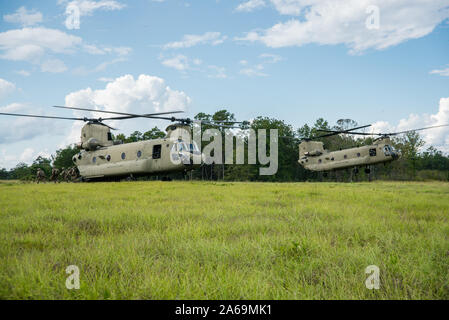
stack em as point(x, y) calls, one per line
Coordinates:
point(425, 128)
point(396, 133)
point(46, 117)
point(333, 132)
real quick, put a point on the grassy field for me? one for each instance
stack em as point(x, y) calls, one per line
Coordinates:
point(200, 240)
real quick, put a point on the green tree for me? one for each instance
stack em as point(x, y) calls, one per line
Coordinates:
point(63, 157)
point(154, 133)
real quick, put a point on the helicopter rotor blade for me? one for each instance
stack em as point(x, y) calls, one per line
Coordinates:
point(45, 117)
point(419, 129)
point(128, 115)
point(395, 133)
point(333, 132)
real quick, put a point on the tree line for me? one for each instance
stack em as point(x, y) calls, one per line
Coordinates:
point(430, 164)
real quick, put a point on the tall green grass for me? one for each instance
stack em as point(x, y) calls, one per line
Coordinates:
point(203, 240)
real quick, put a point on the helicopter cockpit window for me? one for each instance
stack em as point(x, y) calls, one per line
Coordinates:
point(183, 146)
point(372, 152)
point(387, 150)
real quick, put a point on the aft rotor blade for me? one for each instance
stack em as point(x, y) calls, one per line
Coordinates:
point(45, 117)
point(130, 115)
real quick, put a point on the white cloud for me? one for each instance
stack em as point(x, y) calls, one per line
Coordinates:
point(250, 5)
point(332, 22)
point(53, 66)
point(178, 62)
point(28, 155)
point(39, 45)
point(258, 69)
point(438, 137)
point(270, 58)
point(442, 72)
point(30, 44)
point(23, 73)
point(255, 71)
point(220, 72)
point(6, 87)
point(120, 51)
point(24, 17)
point(88, 7)
point(105, 79)
point(14, 129)
point(146, 94)
point(190, 40)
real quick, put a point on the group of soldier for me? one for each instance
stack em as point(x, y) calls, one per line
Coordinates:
point(57, 175)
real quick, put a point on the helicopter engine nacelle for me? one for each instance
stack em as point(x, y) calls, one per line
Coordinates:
point(310, 148)
point(91, 144)
point(95, 135)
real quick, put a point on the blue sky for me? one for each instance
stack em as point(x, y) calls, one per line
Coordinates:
point(294, 60)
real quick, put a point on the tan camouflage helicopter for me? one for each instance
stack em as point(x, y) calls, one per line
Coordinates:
point(313, 156)
point(103, 158)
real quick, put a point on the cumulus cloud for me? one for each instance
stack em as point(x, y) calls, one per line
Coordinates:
point(28, 155)
point(75, 9)
point(145, 94)
point(250, 5)
point(39, 45)
point(438, 137)
point(30, 43)
point(6, 87)
point(190, 40)
point(24, 17)
point(332, 22)
point(87, 7)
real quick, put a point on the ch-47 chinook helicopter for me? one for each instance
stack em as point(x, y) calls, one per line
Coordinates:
point(314, 157)
point(103, 158)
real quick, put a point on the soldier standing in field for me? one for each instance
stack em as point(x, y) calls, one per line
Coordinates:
point(40, 175)
point(54, 175)
point(62, 174)
point(73, 173)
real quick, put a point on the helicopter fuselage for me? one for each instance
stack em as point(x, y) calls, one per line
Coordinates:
point(101, 157)
point(314, 157)
point(137, 158)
